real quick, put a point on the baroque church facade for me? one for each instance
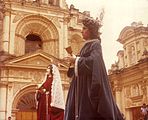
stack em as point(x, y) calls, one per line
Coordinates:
point(33, 35)
point(129, 75)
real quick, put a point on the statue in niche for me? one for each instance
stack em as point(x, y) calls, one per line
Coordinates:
point(135, 90)
point(127, 92)
point(133, 55)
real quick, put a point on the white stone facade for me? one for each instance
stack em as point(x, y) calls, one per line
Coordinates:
point(33, 34)
point(129, 75)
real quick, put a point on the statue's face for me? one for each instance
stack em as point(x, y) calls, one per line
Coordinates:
point(85, 33)
point(48, 70)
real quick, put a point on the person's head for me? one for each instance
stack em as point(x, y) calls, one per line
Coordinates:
point(144, 105)
point(49, 70)
point(9, 118)
point(90, 29)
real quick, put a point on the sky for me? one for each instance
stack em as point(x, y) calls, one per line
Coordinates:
point(118, 14)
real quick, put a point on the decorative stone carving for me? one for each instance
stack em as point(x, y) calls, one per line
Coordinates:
point(18, 87)
point(143, 87)
point(26, 76)
point(127, 91)
point(18, 17)
point(1, 15)
point(55, 21)
point(37, 77)
point(66, 19)
point(36, 2)
point(128, 102)
point(146, 42)
point(135, 90)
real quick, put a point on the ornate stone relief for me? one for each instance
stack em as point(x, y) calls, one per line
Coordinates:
point(131, 53)
point(55, 21)
point(37, 76)
point(18, 16)
point(127, 91)
point(26, 76)
point(135, 90)
point(145, 42)
point(133, 95)
point(18, 86)
point(143, 87)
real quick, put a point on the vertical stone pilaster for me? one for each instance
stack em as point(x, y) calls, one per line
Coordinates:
point(6, 30)
point(128, 114)
point(118, 96)
point(63, 40)
point(125, 56)
point(12, 35)
point(9, 100)
point(145, 89)
point(1, 27)
point(3, 97)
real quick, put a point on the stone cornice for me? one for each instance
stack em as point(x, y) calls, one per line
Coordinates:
point(40, 9)
point(134, 32)
point(136, 98)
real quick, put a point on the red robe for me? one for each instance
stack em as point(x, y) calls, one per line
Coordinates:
point(53, 112)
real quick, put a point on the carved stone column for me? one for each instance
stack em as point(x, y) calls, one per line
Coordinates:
point(9, 99)
point(63, 43)
point(1, 24)
point(6, 30)
point(118, 96)
point(3, 99)
point(144, 84)
point(144, 89)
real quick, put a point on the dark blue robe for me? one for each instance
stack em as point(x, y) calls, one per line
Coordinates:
point(90, 93)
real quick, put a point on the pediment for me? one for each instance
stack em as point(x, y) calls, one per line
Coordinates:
point(36, 60)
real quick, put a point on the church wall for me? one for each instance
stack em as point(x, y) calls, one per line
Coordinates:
point(130, 88)
point(19, 13)
point(129, 75)
point(22, 73)
point(1, 25)
point(3, 100)
point(133, 39)
point(12, 35)
point(63, 43)
point(6, 30)
point(18, 80)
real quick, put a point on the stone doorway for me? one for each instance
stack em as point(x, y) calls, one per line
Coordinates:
point(136, 113)
point(26, 115)
point(26, 107)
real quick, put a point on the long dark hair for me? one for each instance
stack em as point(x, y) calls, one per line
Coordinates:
point(51, 69)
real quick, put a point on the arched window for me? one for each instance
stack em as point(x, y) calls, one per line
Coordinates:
point(33, 42)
